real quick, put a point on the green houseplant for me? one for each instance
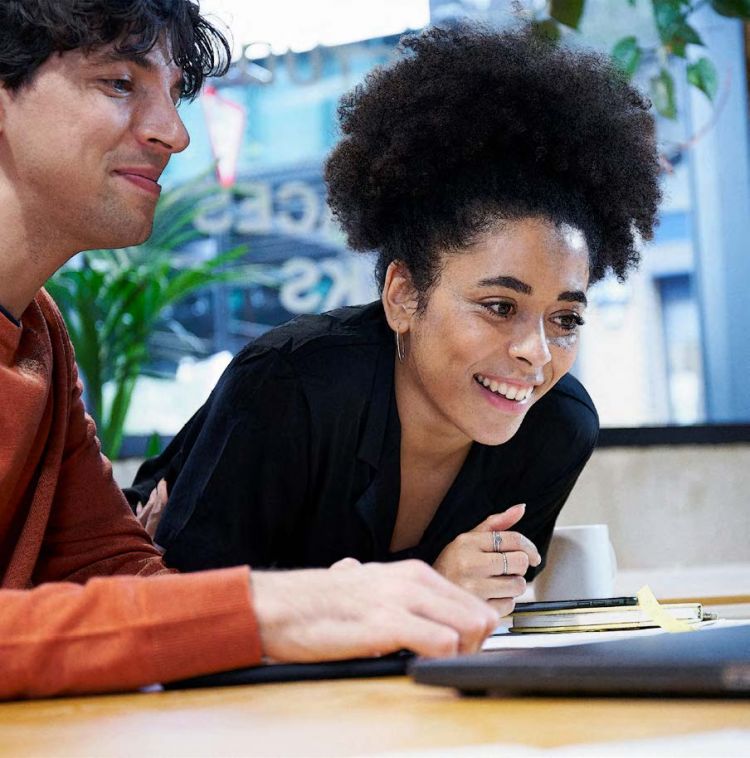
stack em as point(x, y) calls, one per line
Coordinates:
point(677, 38)
point(114, 299)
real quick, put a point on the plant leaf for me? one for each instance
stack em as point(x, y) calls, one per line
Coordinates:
point(662, 93)
point(702, 74)
point(669, 16)
point(567, 12)
point(627, 55)
point(732, 8)
point(547, 29)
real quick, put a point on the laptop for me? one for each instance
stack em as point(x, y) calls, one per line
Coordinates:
point(357, 668)
point(709, 662)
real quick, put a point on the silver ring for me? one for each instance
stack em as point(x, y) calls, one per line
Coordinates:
point(505, 563)
point(497, 541)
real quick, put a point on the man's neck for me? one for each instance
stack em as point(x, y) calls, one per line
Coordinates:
point(27, 254)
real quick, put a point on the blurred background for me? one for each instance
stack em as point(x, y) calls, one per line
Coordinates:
point(669, 347)
point(243, 241)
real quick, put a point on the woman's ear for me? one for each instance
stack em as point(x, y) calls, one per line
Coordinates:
point(399, 297)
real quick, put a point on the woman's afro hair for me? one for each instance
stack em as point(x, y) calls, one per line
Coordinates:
point(471, 127)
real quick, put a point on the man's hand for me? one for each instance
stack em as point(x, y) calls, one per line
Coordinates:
point(472, 562)
point(364, 610)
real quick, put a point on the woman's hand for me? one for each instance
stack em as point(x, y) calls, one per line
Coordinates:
point(150, 514)
point(473, 561)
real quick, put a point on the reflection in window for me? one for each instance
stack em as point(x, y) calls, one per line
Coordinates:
point(683, 349)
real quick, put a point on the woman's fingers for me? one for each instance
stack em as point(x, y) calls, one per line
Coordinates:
point(500, 522)
point(503, 606)
point(499, 587)
point(506, 564)
point(510, 542)
point(150, 514)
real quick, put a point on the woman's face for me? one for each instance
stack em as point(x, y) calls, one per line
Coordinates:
point(500, 327)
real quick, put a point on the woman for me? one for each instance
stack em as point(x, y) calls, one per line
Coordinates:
point(497, 176)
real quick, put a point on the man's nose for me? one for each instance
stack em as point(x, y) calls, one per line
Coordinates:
point(160, 125)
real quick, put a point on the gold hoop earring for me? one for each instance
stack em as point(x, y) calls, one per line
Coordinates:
point(400, 350)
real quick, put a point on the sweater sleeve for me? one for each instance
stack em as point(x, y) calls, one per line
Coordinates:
point(120, 633)
point(91, 530)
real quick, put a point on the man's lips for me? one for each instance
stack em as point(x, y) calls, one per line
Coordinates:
point(145, 178)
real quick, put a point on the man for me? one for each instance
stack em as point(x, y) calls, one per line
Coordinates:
point(88, 121)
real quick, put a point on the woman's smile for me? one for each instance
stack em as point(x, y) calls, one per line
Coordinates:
point(505, 396)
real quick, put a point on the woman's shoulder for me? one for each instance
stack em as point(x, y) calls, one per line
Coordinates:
point(334, 353)
point(565, 415)
point(303, 336)
point(569, 393)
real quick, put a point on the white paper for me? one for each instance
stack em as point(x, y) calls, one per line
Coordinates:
point(508, 641)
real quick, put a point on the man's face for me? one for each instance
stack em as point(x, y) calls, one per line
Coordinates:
point(83, 145)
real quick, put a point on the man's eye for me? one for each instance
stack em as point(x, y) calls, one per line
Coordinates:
point(120, 86)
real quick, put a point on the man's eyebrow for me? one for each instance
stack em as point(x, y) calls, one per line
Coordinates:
point(510, 282)
point(139, 59)
point(113, 56)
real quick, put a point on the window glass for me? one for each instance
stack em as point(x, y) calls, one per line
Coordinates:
point(644, 350)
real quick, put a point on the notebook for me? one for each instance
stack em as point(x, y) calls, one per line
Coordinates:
point(713, 661)
point(602, 618)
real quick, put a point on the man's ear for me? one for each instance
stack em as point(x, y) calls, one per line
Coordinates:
point(4, 97)
point(399, 297)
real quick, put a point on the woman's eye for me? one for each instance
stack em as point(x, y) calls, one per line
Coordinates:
point(500, 309)
point(569, 321)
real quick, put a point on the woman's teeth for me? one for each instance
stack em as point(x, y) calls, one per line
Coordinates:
point(519, 394)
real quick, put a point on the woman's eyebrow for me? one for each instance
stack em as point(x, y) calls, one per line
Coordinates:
point(510, 282)
point(573, 296)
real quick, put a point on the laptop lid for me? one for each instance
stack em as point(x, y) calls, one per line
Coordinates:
point(705, 662)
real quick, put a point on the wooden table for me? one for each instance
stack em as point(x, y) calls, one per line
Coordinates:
point(336, 718)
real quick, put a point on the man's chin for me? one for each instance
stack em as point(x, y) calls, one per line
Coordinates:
point(116, 239)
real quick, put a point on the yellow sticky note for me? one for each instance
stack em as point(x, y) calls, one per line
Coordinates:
point(650, 605)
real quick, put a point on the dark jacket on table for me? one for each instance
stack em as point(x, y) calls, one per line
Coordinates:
point(294, 460)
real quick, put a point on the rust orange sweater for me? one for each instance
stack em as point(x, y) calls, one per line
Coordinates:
point(63, 522)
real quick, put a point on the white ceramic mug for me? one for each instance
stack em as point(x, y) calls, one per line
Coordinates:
point(580, 563)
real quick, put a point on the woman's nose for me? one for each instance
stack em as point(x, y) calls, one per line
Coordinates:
point(530, 345)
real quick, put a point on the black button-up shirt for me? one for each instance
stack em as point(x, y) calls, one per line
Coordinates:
point(294, 460)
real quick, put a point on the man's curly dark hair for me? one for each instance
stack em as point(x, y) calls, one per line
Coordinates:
point(471, 127)
point(33, 30)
